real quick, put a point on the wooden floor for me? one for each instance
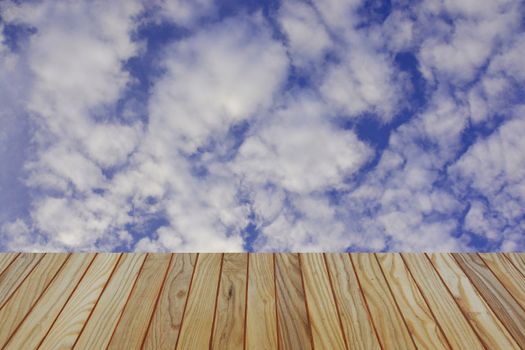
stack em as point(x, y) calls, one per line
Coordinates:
point(262, 301)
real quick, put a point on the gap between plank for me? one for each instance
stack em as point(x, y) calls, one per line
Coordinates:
point(156, 301)
point(512, 263)
point(186, 301)
point(96, 302)
point(246, 298)
point(67, 300)
point(276, 303)
point(216, 302)
point(335, 301)
point(395, 301)
point(306, 302)
point(8, 265)
point(425, 299)
point(455, 301)
point(127, 300)
point(36, 301)
point(366, 302)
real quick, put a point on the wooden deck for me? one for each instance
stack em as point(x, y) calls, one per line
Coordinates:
point(262, 301)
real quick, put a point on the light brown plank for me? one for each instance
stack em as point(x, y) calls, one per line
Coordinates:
point(293, 330)
point(68, 324)
point(421, 323)
point(165, 324)
point(261, 323)
point(98, 329)
point(507, 274)
point(197, 321)
point(357, 325)
point(499, 299)
point(6, 259)
point(15, 274)
point(480, 316)
point(327, 331)
point(518, 260)
point(390, 325)
point(228, 332)
point(39, 320)
point(135, 318)
point(458, 331)
point(25, 297)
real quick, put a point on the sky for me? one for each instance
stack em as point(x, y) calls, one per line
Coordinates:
point(280, 125)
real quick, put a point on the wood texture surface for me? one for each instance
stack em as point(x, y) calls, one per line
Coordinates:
point(262, 301)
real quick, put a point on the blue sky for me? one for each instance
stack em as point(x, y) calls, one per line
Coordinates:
point(322, 125)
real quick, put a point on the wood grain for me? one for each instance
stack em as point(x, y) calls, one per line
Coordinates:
point(499, 299)
point(98, 329)
point(419, 318)
point(508, 275)
point(197, 322)
point(327, 331)
point(41, 317)
point(135, 318)
point(518, 260)
point(293, 325)
point(261, 322)
point(6, 259)
point(458, 331)
point(25, 297)
point(228, 332)
point(480, 316)
point(68, 324)
point(390, 325)
point(15, 274)
point(357, 324)
point(165, 324)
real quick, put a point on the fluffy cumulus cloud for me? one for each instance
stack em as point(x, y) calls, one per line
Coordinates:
point(291, 126)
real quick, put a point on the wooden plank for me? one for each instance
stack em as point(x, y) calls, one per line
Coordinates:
point(39, 320)
point(518, 260)
point(25, 297)
point(228, 332)
point(261, 322)
point(68, 324)
point(15, 274)
point(458, 331)
point(327, 330)
point(499, 299)
point(390, 325)
point(135, 318)
point(419, 318)
point(165, 324)
point(197, 322)
point(293, 325)
point(98, 329)
point(6, 259)
point(357, 324)
point(507, 274)
point(485, 323)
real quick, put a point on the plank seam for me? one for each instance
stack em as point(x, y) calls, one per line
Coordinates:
point(335, 300)
point(156, 301)
point(306, 301)
point(186, 301)
point(246, 298)
point(8, 265)
point(276, 302)
point(36, 302)
point(395, 301)
point(23, 280)
point(216, 303)
point(127, 300)
point(96, 302)
point(426, 301)
point(379, 341)
point(488, 303)
point(456, 302)
point(67, 300)
point(506, 257)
